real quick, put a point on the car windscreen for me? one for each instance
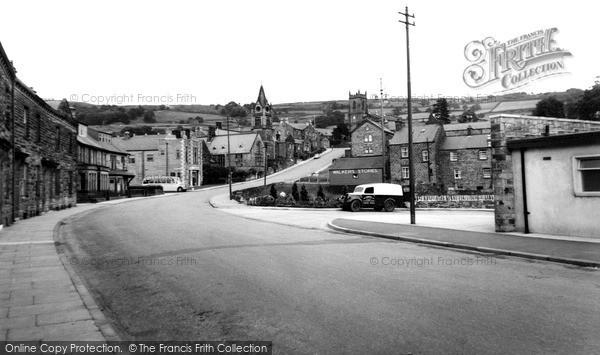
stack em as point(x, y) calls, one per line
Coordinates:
point(358, 189)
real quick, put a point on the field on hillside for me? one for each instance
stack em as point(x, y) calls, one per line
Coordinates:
point(174, 116)
point(515, 105)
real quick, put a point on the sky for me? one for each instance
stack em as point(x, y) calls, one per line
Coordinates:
point(213, 52)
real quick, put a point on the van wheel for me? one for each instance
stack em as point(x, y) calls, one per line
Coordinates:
point(355, 206)
point(389, 205)
point(179, 189)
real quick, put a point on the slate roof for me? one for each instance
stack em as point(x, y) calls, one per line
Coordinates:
point(464, 126)
point(240, 144)
point(374, 162)
point(378, 125)
point(465, 142)
point(421, 134)
point(262, 98)
point(137, 143)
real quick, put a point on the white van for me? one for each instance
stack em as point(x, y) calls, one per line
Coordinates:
point(168, 183)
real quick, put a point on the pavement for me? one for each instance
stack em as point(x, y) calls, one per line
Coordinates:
point(41, 297)
point(465, 229)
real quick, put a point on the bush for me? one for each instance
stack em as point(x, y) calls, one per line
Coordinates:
point(273, 191)
point(303, 194)
point(320, 193)
point(295, 194)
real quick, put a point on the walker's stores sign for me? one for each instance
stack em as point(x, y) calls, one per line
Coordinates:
point(355, 171)
point(514, 63)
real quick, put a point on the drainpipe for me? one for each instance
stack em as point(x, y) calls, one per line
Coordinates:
point(524, 186)
point(14, 167)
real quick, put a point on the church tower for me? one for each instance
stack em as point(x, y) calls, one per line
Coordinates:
point(357, 108)
point(262, 113)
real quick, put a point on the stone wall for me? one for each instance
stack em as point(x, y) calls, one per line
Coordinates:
point(471, 167)
point(359, 145)
point(507, 127)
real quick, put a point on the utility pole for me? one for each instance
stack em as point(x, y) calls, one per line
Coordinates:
point(382, 128)
point(265, 174)
point(411, 174)
point(229, 159)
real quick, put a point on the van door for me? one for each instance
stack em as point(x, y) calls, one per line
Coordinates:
point(368, 197)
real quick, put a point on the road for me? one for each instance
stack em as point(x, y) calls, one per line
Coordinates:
point(173, 268)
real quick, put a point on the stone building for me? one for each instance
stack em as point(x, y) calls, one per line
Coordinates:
point(38, 150)
point(102, 166)
point(247, 151)
point(367, 139)
point(427, 141)
point(164, 155)
point(509, 127)
point(465, 163)
point(358, 107)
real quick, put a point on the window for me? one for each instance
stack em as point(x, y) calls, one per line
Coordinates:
point(453, 156)
point(195, 155)
point(425, 155)
point(405, 173)
point(487, 173)
point(150, 157)
point(162, 152)
point(57, 138)
point(369, 149)
point(404, 152)
point(587, 179)
point(26, 120)
point(489, 140)
point(457, 174)
point(131, 159)
point(368, 138)
point(38, 118)
point(370, 190)
point(483, 155)
point(178, 154)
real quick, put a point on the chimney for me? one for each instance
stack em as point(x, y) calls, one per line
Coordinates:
point(219, 125)
point(469, 131)
point(399, 125)
point(188, 133)
point(127, 135)
point(211, 133)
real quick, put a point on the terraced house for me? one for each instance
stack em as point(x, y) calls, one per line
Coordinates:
point(38, 151)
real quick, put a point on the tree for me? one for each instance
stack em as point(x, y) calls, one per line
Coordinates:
point(303, 194)
point(295, 194)
point(440, 109)
point(549, 107)
point(588, 107)
point(149, 116)
point(273, 191)
point(396, 111)
point(320, 193)
point(340, 133)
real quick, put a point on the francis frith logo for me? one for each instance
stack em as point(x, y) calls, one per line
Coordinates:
point(516, 62)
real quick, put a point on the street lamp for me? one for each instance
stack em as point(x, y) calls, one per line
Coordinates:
point(229, 160)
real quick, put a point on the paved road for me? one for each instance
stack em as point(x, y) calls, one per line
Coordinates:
point(174, 268)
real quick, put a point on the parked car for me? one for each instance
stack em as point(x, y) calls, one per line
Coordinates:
point(168, 183)
point(379, 196)
point(317, 156)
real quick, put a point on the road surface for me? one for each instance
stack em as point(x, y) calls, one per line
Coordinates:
point(173, 268)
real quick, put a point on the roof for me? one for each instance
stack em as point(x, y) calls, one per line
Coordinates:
point(563, 140)
point(135, 143)
point(240, 144)
point(464, 126)
point(298, 126)
point(367, 120)
point(262, 98)
point(374, 162)
point(325, 131)
point(100, 145)
point(465, 142)
point(421, 134)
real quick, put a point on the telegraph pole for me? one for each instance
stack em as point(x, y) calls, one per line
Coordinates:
point(382, 128)
point(229, 160)
point(411, 175)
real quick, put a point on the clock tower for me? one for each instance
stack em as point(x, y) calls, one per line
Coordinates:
point(358, 107)
point(262, 112)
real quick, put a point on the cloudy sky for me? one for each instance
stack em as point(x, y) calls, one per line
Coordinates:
point(218, 51)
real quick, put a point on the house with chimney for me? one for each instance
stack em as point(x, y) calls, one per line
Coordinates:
point(102, 166)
